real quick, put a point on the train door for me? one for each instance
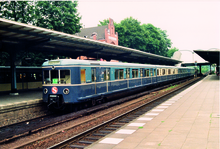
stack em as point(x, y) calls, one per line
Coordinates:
point(127, 76)
point(107, 77)
point(93, 71)
point(25, 81)
point(22, 82)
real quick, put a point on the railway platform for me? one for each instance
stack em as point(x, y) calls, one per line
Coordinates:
point(16, 108)
point(189, 120)
point(23, 97)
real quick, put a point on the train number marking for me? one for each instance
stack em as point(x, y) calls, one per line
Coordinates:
point(54, 90)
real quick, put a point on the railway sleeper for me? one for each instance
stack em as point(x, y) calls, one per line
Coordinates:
point(77, 146)
point(109, 128)
point(86, 142)
point(93, 138)
point(105, 131)
point(116, 126)
point(99, 134)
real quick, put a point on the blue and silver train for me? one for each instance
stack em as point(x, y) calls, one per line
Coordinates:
point(70, 81)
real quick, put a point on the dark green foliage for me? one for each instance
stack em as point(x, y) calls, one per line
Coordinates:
point(4, 58)
point(171, 52)
point(55, 15)
point(104, 22)
point(21, 11)
point(58, 15)
point(145, 37)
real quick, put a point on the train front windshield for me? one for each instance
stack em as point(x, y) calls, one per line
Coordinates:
point(56, 76)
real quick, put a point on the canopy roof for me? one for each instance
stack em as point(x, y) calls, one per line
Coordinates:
point(15, 36)
point(211, 55)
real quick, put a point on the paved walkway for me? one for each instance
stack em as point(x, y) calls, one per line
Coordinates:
point(26, 96)
point(189, 120)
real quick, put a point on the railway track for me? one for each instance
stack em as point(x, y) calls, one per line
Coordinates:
point(90, 124)
point(92, 135)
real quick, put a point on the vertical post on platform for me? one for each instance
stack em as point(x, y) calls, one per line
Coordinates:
point(13, 74)
point(200, 69)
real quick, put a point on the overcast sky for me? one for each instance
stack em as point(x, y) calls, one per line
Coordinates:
point(190, 24)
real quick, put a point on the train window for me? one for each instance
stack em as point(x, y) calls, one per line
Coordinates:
point(158, 72)
point(93, 75)
point(134, 73)
point(141, 71)
point(107, 75)
point(163, 71)
point(119, 74)
point(127, 73)
point(83, 76)
point(65, 76)
point(169, 72)
point(5, 77)
point(116, 74)
point(154, 72)
point(54, 76)
point(151, 72)
point(147, 73)
point(46, 77)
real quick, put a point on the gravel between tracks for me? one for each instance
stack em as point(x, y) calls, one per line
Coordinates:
point(65, 133)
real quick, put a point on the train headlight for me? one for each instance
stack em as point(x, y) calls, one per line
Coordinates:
point(45, 90)
point(66, 91)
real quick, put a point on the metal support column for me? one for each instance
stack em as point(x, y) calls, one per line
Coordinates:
point(13, 75)
point(200, 69)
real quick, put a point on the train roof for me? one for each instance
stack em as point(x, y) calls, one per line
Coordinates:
point(23, 67)
point(69, 62)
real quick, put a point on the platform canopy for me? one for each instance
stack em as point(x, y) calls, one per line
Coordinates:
point(211, 55)
point(15, 36)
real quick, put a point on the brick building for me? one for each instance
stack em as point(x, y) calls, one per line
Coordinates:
point(101, 33)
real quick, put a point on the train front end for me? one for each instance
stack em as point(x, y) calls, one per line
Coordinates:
point(56, 84)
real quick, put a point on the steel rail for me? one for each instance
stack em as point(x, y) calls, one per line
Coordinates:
point(40, 138)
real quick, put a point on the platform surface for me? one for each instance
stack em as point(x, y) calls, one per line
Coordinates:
point(24, 96)
point(189, 120)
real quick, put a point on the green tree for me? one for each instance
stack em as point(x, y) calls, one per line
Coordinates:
point(171, 51)
point(144, 37)
point(131, 34)
point(20, 11)
point(104, 22)
point(58, 15)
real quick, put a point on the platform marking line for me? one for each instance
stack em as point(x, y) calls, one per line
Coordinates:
point(162, 107)
point(166, 104)
point(157, 110)
point(145, 118)
point(151, 114)
point(111, 140)
point(174, 99)
point(125, 131)
point(136, 124)
point(169, 101)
